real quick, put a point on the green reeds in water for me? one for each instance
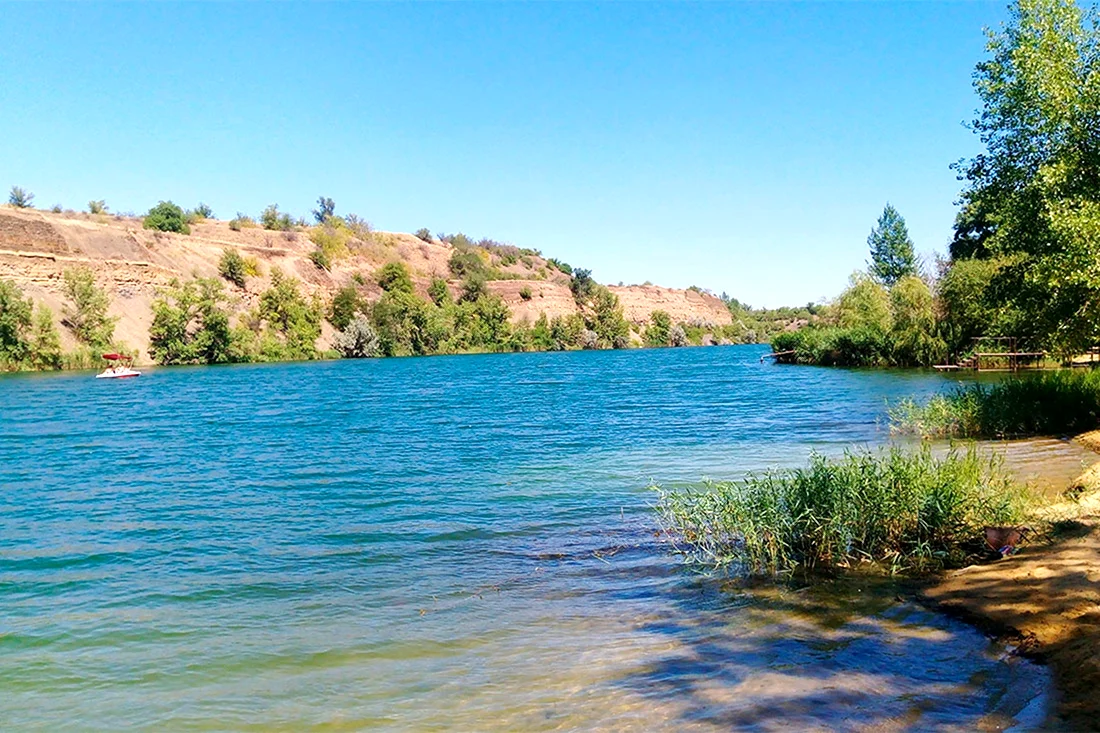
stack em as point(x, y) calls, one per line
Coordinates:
point(905, 510)
point(1048, 403)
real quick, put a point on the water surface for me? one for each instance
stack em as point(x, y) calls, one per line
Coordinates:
point(443, 543)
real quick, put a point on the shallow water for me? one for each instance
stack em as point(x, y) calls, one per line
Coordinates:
point(443, 543)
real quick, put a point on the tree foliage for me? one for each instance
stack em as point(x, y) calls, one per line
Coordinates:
point(326, 209)
point(86, 313)
point(20, 198)
point(892, 256)
point(167, 217)
point(1032, 198)
point(191, 324)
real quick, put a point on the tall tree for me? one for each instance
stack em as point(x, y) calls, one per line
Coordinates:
point(1032, 199)
point(892, 256)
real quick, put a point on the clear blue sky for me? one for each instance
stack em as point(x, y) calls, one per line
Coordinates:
point(744, 147)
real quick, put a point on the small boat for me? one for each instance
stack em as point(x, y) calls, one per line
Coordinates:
point(119, 366)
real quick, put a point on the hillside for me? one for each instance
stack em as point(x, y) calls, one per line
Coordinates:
point(131, 263)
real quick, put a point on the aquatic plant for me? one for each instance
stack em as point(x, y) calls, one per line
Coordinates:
point(1046, 403)
point(907, 510)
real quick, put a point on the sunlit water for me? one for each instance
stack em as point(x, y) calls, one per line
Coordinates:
point(444, 543)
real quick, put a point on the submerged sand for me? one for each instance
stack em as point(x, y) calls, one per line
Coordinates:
point(1046, 600)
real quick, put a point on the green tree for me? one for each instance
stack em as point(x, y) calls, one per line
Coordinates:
point(346, 304)
point(892, 256)
point(87, 313)
point(424, 235)
point(326, 209)
point(166, 217)
point(275, 220)
point(913, 335)
point(657, 333)
point(203, 211)
point(582, 284)
point(865, 304)
point(394, 277)
point(97, 207)
point(21, 198)
point(1036, 188)
point(294, 317)
point(191, 324)
point(15, 321)
point(45, 341)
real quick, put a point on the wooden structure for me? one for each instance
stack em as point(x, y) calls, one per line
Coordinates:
point(997, 354)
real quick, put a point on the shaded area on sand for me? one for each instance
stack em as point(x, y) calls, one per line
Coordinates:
point(1046, 599)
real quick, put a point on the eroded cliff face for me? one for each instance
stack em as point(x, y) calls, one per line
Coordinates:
point(132, 263)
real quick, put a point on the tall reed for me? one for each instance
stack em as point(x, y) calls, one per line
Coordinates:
point(1047, 403)
point(907, 510)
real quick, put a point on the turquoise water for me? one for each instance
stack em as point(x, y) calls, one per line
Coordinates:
point(442, 543)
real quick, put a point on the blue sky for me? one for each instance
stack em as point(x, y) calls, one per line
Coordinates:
point(742, 147)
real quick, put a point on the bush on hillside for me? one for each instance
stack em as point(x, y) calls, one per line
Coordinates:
point(358, 340)
point(232, 267)
point(167, 217)
point(395, 277)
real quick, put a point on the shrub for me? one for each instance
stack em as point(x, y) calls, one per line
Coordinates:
point(438, 291)
point(346, 304)
point(473, 287)
point(525, 293)
point(241, 221)
point(321, 259)
point(466, 262)
point(358, 226)
point(677, 336)
point(203, 211)
point(232, 267)
point(358, 340)
point(394, 278)
point(97, 207)
point(21, 198)
point(907, 510)
point(166, 217)
point(560, 266)
point(56, 208)
point(87, 316)
point(424, 235)
point(271, 218)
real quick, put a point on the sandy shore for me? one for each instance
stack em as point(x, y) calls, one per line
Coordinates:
point(1046, 600)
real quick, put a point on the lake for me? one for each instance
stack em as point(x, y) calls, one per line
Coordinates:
point(446, 543)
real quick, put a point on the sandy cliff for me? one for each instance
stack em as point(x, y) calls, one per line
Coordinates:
point(131, 263)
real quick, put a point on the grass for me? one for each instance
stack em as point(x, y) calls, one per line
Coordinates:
point(905, 510)
point(1047, 403)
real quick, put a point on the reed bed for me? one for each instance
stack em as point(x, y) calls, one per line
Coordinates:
point(904, 510)
point(1048, 403)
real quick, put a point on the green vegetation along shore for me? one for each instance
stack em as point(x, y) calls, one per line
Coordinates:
point(1026, 248)
point(280, 288)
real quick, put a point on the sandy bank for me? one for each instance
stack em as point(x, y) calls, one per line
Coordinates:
point(1046, 600)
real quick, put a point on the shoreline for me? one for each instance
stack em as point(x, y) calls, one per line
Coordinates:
point(1044, 601)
